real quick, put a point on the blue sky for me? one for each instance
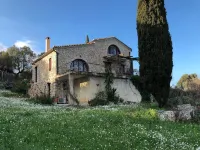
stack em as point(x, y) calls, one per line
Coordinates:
point(28, 22)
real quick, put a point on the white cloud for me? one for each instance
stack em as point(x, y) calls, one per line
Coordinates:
point(2, 47)
point(22, 43)
point(28, 43)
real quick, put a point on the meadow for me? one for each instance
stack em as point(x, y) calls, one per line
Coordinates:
point(24, 125)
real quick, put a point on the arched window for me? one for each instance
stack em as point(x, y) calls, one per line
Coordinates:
point(113, 50)
point(79, 65)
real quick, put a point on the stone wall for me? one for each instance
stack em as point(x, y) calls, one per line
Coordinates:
point(44, 76)
point(92, 54)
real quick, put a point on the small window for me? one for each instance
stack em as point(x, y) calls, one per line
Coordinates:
point(113, 50)
point(50, 63)
point(35, 74)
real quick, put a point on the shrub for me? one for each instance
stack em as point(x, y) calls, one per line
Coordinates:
point(100, 99)
point(11, 94)
point(173, 102)
point(8, 85)
point(21, 86)
point(2, 85)
point(46, 100)
point(145, 113)
point(196, 117)
point(109, 95)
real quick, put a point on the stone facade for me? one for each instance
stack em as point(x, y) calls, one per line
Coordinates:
point(44, 76)
point(65, 83)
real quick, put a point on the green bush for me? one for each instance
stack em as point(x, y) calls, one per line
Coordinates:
point(21, 86)
point(11, 94)
point(100, 99)
point(45, 100)
point(104, 98)
point(145, 113)
point(173, 102)
point(2, 85)
point(196, 117)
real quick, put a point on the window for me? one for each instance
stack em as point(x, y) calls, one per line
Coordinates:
point(35, 74)
point(113, 50)
point(79, 65)
point(50, 63)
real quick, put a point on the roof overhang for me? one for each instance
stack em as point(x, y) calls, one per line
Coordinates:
point(44, 55)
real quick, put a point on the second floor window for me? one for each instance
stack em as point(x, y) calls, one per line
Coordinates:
point(79, 65)
point(113, 50)
point(50, 64)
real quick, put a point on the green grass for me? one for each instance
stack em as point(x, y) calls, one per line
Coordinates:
point(30, 126)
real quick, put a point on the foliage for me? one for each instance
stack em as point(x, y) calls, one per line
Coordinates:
point(185, 80)
point(40, 54)
point(146, 113)
point(11, 94)
point(21, 86)
point(87, 39)
point(196, 117)
point(155, 49)
point(178, 96)
point(107, 96)
point(21, 58)
point(5, 62)
point(100, 99)
point(173, 102)
point(31, 126)
point(135, 79)
point(43, 99)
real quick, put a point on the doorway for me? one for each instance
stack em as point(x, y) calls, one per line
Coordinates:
point(49, 89)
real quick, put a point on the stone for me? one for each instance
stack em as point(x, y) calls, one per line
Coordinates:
point(185, 112)
point(184, 115)
point(184, 106)
point(167, 115)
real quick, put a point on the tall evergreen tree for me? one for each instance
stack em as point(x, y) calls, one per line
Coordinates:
point(87, 39)
point(155, 49)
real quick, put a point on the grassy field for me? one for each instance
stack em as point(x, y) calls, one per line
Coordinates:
point(25, 126)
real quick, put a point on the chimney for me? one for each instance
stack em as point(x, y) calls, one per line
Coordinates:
point(47, 44)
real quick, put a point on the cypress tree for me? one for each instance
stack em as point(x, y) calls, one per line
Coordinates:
point(87, 39)
point(155, 49)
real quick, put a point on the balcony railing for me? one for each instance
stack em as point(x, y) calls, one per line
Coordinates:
point(123, 71)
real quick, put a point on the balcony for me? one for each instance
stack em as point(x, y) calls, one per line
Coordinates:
point(123, 72)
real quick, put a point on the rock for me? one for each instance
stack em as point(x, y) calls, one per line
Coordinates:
point(185, 112)
point(167, 115)
point(184, 106)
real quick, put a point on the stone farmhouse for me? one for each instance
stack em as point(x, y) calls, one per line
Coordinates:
point(76, 72)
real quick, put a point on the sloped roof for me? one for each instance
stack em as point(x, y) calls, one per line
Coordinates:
point(111, 38)
point(73, 45)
